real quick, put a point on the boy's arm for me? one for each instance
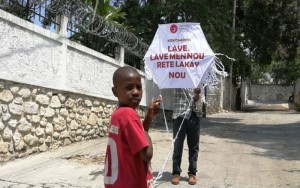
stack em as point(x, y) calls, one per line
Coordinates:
point(152, 112)
point(147, 152)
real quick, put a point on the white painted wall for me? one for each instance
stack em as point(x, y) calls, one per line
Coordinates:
point(32, 55)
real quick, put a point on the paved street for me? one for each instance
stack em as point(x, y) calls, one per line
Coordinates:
point(254, 149)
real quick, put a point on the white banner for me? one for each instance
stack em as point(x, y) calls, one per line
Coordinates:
point(180, 57)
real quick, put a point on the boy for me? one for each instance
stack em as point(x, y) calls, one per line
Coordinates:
point(129, 148)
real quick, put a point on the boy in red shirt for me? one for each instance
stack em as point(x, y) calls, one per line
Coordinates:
point(129, 148)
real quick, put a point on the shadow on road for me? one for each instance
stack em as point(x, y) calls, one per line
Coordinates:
point(276, 132)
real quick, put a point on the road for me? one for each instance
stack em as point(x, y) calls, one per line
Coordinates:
point(252, 149)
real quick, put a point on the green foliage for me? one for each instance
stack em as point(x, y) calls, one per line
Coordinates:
point(270, 32)
point(286, 73)
point(270, 29)
point(214, 16)
point(266, 31)
point(108, 12)
point(144, 18)
point(260, 74)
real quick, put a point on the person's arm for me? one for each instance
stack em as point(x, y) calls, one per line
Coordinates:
point(152, 112)
point(147, 152)
point(196, 96)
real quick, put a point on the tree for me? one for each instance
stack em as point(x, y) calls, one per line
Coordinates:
point(270, 33)
point(104, 9)
point(214, 16)
point(286, 73)
point(144, 18)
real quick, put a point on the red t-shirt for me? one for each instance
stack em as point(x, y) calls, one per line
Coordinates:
point(124, 168)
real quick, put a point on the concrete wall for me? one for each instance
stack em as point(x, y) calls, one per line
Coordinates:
point(270, 92)
point(31, 54)
point(53, 91)
point(297, 93)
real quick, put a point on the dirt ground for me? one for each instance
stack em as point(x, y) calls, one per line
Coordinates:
point(251, 149)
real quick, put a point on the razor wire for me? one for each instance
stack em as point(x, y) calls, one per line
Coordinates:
point(83, 16)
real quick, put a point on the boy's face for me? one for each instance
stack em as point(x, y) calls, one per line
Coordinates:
point(128, 90)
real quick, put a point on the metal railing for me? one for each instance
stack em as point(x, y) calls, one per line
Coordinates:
point(133, 60)
point(32, 11)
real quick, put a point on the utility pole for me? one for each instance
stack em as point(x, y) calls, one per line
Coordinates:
point(231, 62)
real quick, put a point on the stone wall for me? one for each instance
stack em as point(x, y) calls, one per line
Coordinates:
point(217, 99)
point(270, 92)
point(213, 103)
point(35, 119)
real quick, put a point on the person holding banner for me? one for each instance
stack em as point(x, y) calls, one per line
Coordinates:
point(129, 148)
point(186, 123)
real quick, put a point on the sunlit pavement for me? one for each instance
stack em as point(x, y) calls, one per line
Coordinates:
point(253, 149)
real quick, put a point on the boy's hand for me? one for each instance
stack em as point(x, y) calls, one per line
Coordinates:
point(196, 94)
point(152, 111)
point(154, 107)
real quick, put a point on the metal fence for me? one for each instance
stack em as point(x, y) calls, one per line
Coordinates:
point(133, 60)
point(32, 11)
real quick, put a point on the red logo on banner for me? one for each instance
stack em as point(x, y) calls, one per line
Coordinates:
point(173, 28)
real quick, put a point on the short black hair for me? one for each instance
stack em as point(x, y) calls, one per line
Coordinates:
point(121, 71)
